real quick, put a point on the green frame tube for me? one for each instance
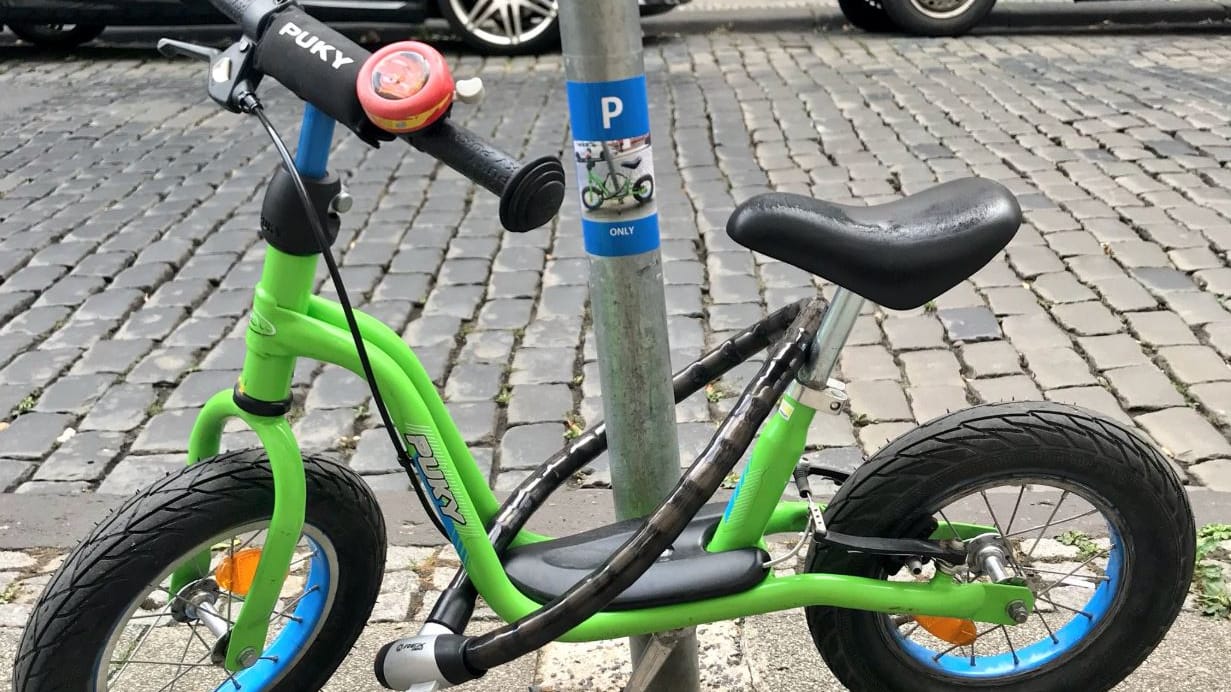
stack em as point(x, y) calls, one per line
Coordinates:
point(288, 323)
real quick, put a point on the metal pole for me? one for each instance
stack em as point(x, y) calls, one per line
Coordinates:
point(609, 116)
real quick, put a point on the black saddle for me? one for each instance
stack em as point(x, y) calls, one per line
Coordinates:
point(632, 165)
point(901, 254)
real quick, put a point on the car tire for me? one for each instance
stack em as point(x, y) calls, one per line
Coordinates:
point(937, 17)
point(57, 35)
point(868, 15)
point(473, 22)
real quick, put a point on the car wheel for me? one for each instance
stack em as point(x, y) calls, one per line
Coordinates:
point(505, 27)
point(57, 35)
point(868, 15)
point(937, 17)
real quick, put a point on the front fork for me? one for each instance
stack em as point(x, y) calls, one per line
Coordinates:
point(247, 637)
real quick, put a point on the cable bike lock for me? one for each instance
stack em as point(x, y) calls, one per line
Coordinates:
point(454, 658)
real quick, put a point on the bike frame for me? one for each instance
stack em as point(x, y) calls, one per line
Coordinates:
point(289, 322)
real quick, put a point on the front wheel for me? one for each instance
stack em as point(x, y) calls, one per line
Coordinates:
point(57, 35)
point(937, 17)
point(592, 197)
point(1098, 525)
point(108, 621)
point(498, 27)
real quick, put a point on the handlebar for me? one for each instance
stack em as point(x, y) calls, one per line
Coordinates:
point(321, 66)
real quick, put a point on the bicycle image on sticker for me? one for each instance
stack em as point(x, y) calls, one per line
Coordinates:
point(615, 177)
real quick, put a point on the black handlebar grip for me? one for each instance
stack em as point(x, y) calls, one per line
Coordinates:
point(530, 194)
point(318, 65)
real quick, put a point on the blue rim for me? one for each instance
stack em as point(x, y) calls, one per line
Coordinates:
point(295, 636)
point(1042, 652)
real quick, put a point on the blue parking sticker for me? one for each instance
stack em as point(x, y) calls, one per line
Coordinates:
point(619, 238)
point(609, 110)
point(615, 166)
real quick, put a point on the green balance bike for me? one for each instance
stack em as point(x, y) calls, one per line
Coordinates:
point(616, 185)
point(947, 561)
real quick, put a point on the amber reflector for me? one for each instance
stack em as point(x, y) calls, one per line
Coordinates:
point(236, 572)
point(953, 630)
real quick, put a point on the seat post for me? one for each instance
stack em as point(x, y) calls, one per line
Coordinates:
point(836, 326)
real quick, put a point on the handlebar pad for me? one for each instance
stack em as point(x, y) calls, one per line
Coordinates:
point(530, 194)
point(318, 65)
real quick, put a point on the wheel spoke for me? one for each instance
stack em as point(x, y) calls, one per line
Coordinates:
point(546, 9)
point(988, 503)
point(952, 531)
point(1061, 605)
point(300, 597)
point(506, 22)
point(481, 11)
point(956, 646)
point(183, 655)
point(1016, 504)
point(1044, 592)
point(1047, 627)
point(1043, 528)
point(198, 664)
point(133, 649)
point(1064, 575)
point(189, 667)
point(515, 15)
point(1010, 643)
point(1052, 523)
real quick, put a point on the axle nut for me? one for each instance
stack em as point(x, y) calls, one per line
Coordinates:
point(1018, 611)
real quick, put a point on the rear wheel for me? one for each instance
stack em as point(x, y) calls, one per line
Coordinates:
point(1100, 530)
point(108, 620)
point(643, 189)
point(57, 35)
point(505, 27)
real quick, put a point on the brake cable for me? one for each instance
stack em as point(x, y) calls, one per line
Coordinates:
point(251, 104)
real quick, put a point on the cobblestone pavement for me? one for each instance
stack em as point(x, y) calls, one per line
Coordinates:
point(128, 246)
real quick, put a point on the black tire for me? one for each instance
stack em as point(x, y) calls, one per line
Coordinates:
point(643, 189)
point(868, 15)
point(488, 39)
point(903, 483)
point(57, 35)
point(937, 17)
point(91, 592)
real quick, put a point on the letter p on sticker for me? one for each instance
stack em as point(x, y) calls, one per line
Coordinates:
point(612, 107)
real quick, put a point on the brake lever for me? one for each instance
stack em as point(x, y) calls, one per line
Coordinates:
point(233, 77)
point(171, 48)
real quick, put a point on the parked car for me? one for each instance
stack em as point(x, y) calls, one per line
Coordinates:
point(918, 17)
point(504, 27)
